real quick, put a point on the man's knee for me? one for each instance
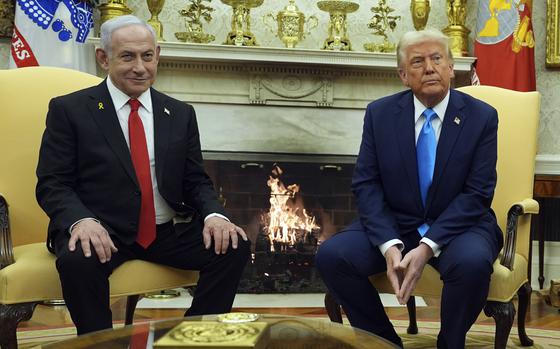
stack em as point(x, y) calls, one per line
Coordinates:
point(327, 256)
point(75, 263)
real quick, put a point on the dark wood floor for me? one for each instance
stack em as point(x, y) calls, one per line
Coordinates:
point(540, 315)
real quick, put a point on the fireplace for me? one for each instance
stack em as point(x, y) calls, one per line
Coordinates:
point(315, 195)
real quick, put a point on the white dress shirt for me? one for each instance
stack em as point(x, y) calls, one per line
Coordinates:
point(419, 120)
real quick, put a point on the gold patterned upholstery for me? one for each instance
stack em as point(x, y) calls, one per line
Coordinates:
point(517, 147)
point(28, 274)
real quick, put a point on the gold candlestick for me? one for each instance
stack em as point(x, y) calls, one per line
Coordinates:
point(456, 30)
point(155, 6)
point(290, 24)
point(112, 9)
point(338, 27)
point(240, 34)
point(420, 10)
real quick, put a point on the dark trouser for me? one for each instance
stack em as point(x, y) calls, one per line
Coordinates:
point(347, 259)
point(85, 284)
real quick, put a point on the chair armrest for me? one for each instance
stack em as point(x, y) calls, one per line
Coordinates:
point(6, 249)
point(527, 206)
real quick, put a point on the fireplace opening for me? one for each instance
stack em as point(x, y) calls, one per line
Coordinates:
point(287, 204)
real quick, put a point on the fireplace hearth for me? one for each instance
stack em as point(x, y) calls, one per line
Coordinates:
point(317, 188)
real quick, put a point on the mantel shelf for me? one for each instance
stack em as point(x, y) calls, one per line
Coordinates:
point(178, 51)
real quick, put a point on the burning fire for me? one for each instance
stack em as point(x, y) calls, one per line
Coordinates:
point(286, 221)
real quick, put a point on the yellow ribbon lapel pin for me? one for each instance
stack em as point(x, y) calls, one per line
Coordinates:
point(100, 106)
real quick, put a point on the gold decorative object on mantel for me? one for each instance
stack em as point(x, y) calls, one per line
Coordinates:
point(553, 33)
point(240, 34)
point(456, 31)
point(7, 11)
point(338, 26)
point(420, 10)
point(112, 9)
point(291, 24)
point(195, 12)
point(155, 6)
point(381, 23)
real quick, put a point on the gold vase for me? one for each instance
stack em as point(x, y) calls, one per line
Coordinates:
point(155, 6)
point(456, 30)
point(240, 34)
point(112, 9)
point(420, 10)
point(291, 24)
point(338, 27)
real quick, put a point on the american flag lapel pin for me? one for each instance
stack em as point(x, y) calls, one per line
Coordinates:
point(457, 120)
point(166, 111)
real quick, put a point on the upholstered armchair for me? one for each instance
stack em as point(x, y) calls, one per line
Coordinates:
point(513, 203)
point(28, 274)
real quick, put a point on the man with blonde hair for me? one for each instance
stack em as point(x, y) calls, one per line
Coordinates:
point(424, 182)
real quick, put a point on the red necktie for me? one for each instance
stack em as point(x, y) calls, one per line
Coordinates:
point(141, 162)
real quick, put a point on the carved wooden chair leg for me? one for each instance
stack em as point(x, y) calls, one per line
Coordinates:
point(131, 302)
point(10, 316)
point(333, 308)
point(524, 294)
point(503, 314)
point(412, 324)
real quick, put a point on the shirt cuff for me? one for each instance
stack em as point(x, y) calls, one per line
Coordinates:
point(435, 247)
point(216, 215)
point(384, 247)
point(78, 221)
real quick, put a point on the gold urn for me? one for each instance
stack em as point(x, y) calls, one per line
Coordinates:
point(291, 24)
point(420, 10)
point(112, 9)
point(155, 6)
point(338, 26)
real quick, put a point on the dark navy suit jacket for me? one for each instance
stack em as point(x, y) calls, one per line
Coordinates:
point(385, 180)
point(85, 168)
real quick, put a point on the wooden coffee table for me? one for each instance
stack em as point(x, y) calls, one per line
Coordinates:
point(285, 332)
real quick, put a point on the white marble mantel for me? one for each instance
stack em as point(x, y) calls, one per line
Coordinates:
point(278, 100)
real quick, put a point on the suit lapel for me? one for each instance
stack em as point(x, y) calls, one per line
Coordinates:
point(452, 125)
point(404, 131)
point(103, 111)
point(162, 130)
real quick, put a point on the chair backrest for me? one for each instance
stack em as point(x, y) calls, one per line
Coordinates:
point(24, 97)
point(518, 114)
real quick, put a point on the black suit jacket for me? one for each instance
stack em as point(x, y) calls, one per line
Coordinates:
point(85, 169)
point(385, 181)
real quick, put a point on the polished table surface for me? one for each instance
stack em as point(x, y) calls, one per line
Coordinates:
point(285, 332)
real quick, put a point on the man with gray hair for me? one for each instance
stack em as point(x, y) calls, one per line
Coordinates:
point(120, 176)
point(424, 182)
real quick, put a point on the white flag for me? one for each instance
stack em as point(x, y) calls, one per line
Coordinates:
point(52, 33)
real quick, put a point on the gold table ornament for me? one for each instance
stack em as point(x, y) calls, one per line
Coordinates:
point(456, 31)
point(420, 10)
point(381, 23)
point(155, 6)
point(291, 24)
point(112, 9)
point(194, 13)
point(338, 27)
point(215, 335)
point(240, 34)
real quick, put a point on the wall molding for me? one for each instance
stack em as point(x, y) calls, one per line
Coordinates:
point(547, 164)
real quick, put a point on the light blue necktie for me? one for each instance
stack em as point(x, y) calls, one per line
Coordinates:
point(426, 159)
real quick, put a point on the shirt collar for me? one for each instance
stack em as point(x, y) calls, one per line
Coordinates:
point(440, 108)
point(120, 99)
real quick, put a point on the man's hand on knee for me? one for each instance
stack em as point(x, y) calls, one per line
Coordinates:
point(411, 266)
point(222, 231)
point(91, 233)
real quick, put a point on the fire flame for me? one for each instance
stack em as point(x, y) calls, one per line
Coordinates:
point(286, 221)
